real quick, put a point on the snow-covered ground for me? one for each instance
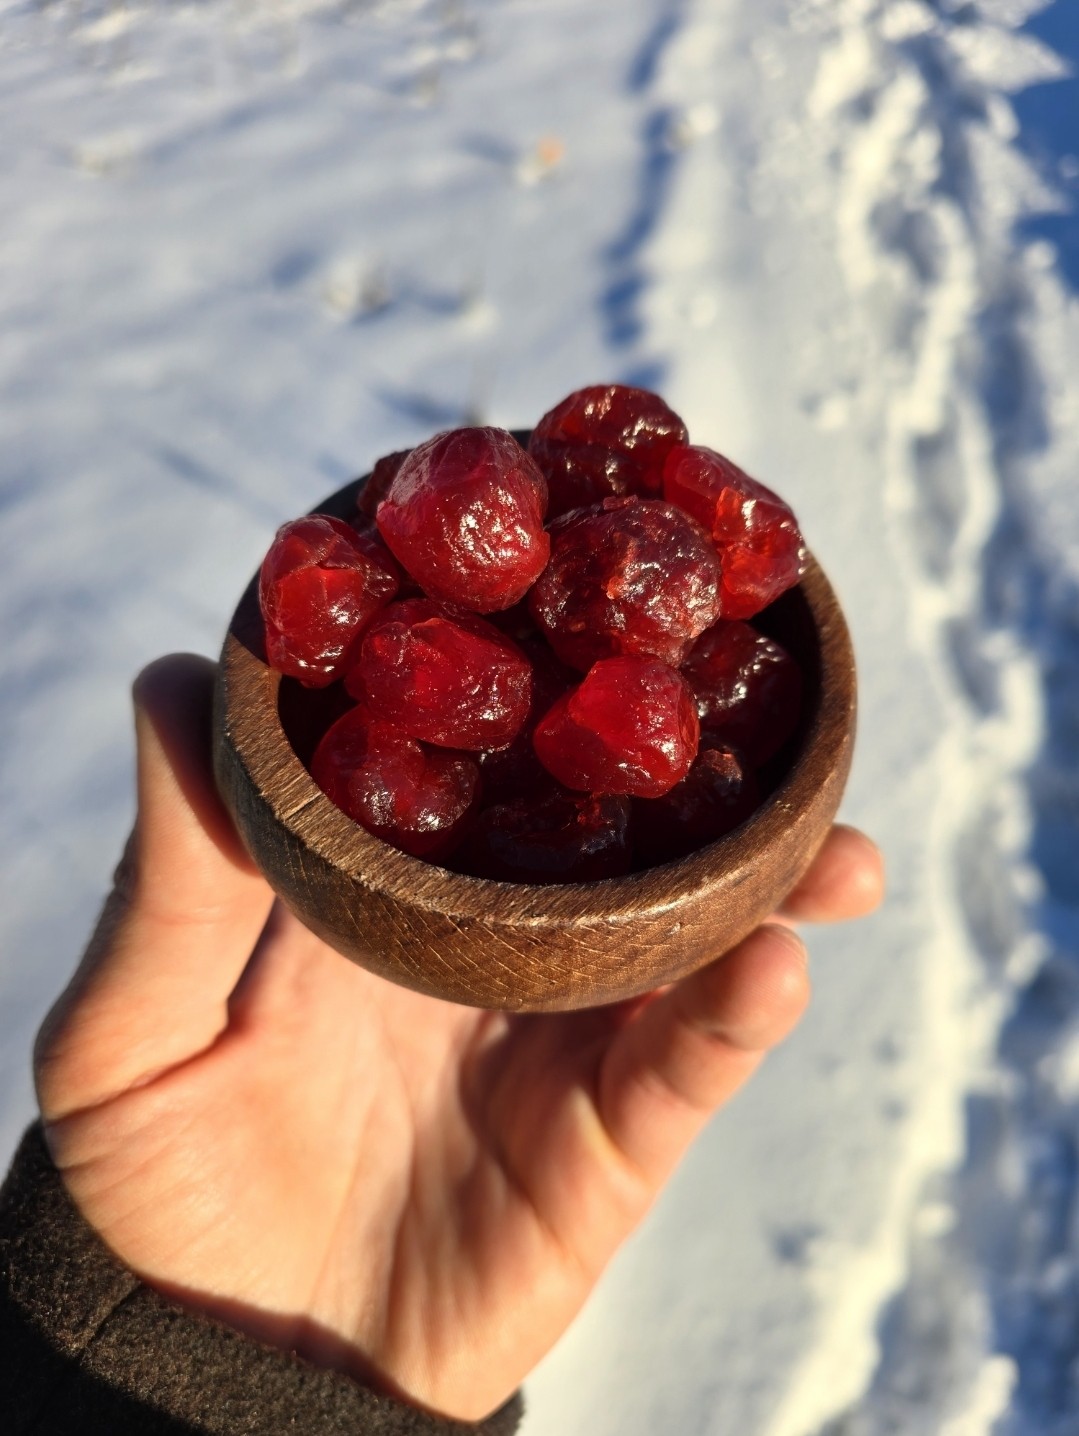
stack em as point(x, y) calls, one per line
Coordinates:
point(248, 246)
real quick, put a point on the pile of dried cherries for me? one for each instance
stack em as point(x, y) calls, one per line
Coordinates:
point(539, 661)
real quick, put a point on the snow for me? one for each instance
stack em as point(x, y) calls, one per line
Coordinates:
point(249, 247)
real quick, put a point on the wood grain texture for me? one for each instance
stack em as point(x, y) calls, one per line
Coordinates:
point(511, 945)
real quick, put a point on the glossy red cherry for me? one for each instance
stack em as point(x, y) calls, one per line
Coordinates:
point(608, 439)
point(631, 576)
point(748, 689)
point(378, 483)
point(755, 533)
point(629, 727)
point(419, 799)
point(446, 678)
point(319, 587)
point(464, 515)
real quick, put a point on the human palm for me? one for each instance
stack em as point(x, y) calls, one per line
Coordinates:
point(416, 1193)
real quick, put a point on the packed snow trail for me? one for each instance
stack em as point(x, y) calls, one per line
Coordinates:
point(932, 189)
point(981, 1337)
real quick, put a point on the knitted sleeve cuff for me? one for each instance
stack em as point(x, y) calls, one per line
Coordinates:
point(86, 1347)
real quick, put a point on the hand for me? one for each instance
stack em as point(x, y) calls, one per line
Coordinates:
point(419, 1194)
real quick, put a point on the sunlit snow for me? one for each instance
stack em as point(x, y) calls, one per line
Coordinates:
point(249, 246)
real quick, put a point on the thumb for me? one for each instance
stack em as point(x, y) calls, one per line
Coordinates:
point(177, 930)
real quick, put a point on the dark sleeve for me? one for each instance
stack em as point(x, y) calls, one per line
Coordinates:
point(86, 1348)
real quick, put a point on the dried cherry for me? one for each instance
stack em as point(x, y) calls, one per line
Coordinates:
point(464, 515)
point(555, 837)
point(716, 796)
point(419, 799)
point(447, 678)
point(319, 587)
point(629, 727)
point(608, 439)
point(755, 533)
point(378, 483)
point(630, 576)
point(748, 689)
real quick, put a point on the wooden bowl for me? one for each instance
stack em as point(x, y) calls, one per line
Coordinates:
point(517, 946)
